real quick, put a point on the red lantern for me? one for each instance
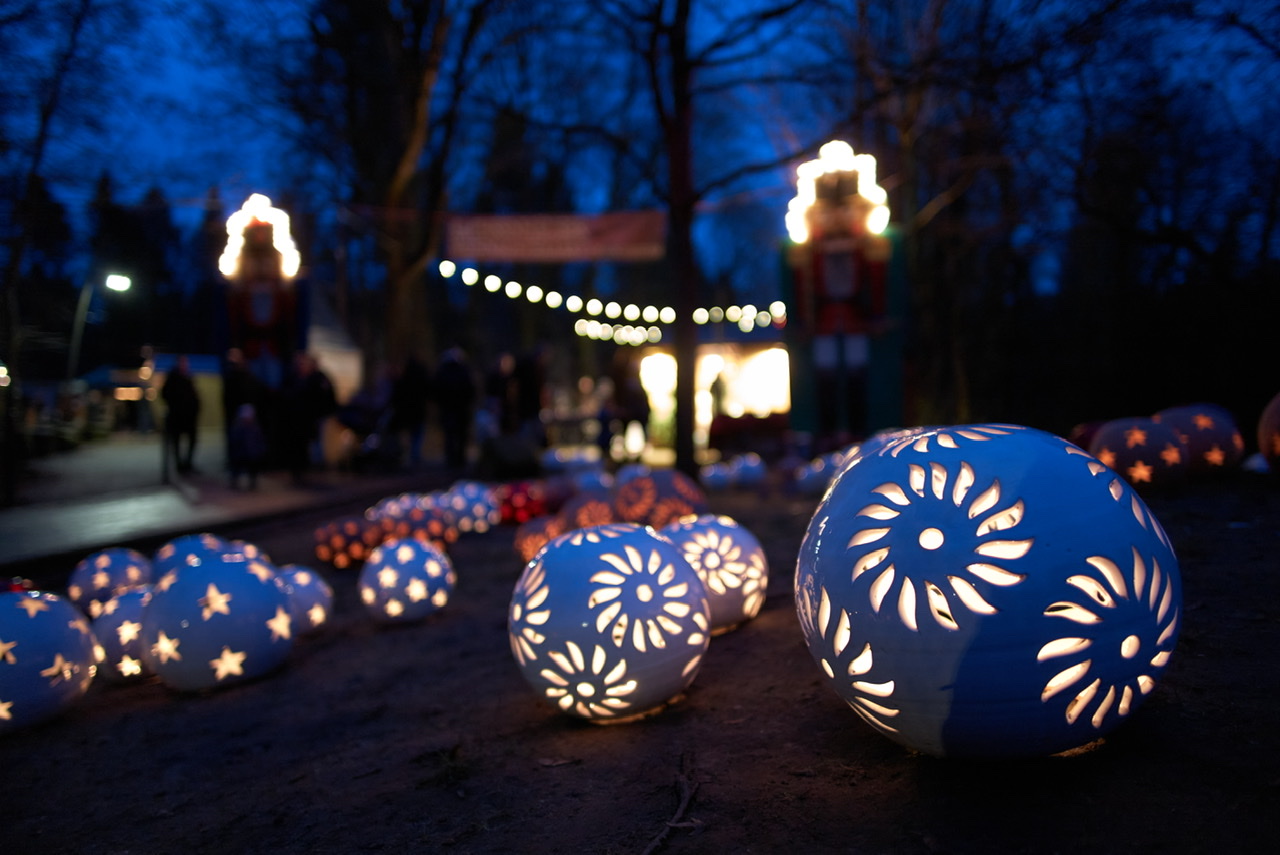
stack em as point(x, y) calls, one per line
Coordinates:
point(347, 541)
point(658, 498)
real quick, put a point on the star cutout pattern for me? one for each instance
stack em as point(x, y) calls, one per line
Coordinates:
point(229, 664)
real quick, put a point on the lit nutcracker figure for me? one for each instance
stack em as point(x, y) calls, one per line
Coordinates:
point(845, 372)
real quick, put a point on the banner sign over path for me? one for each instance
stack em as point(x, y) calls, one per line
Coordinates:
point(618, 236)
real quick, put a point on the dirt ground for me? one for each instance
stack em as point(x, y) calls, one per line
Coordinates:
point(425, 738)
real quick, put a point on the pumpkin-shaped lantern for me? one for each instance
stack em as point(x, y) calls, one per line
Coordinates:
point(730, 562)
point(1208, 432)
point(47, 658)
point(1144, 451)
point(658, 498)
point(1269, 433)
point(118, 630)
point(217, 620)
point(987, 590)
point(104, 574)
point(310, 597)
point(609, 623)
point(406, 580)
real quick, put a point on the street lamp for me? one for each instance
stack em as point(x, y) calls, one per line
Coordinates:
point(114, 282)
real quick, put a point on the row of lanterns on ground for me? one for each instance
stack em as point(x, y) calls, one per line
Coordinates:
point(977, 590)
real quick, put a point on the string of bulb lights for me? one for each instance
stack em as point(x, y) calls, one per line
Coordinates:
point(623, 323)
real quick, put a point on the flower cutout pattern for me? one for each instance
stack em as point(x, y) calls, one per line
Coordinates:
point(595, 688)
point(973, 524)
point(724, 565)
point(635, 581)
point(1146, 597)
point(950, 438)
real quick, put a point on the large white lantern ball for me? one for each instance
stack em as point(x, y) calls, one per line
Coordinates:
point(218, 619)
point(310, 596)
point(1144, 451)
point(118, 630)
point(609, 623)
point(406, 580)
point(100, 576)
point(47, 657)
point(730, 562)
point(987, 591)
point(1209, 434)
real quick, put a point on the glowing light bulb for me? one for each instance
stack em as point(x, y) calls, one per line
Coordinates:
point(448, 268)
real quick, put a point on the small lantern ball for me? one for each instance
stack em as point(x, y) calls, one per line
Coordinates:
point(1269, 433)
point(730, 562)
point(715, 476)
point(218, 620)
point(588, 508)
point(537, 533)
point(1142, 450)
point(521, 501)
point(406, 580)
point(476, 505)
point(658, 498)
point(118, 630)
point(100, 576)
point(310, 596)
point(347, 541)
point(987, 591)
point(1208, 432)
point(47, 658)
point(748, 470)
point(609, 623)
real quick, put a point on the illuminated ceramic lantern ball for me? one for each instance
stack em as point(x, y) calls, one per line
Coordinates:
point(310, 597)
point(476, 505)
point(537, 533)
point(658, 498)
point(186, 550)
point(1144, 451)
point(609, 623)
point(1208, 432)
point(1269, 433)
point(118, 630)
point(406, 580)
point(730, 562)
point(46, 657)
point(217, 620)
point(587, 508)
point(100, 576)
point(748, 470)
point(715, 476)
point(347, 541)
point(987, 591)
point(521, 501)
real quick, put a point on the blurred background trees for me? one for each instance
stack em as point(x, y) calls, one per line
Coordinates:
point(1088, 192)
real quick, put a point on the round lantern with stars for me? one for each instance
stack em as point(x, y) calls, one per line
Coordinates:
point(118, 630)
point(47, 656)
point(406, 580)
point(1208, 432)
point(310, 596)
point(987, 591)
point(100, 576)
point(346, 542)
point(1144, 451)
point(609, 623)
point(730, 562)
point(216, 620)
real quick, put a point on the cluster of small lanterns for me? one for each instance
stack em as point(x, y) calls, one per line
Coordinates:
point(924, 542)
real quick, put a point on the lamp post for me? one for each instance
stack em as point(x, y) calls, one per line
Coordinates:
point(114, 282)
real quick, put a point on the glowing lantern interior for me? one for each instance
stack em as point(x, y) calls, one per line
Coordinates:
point(257, 210)
point(833, 158)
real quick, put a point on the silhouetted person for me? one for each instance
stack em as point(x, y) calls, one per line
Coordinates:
point(246, 447)
point(531, 381)
point(183, 403)
point(500, 395)
point(307, 399)
point(455, 396)
point(409, 396)
point(240, 386)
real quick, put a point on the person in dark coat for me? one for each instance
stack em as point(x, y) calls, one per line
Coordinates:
point(307, 399)
point(410, 393)
point(246, 447)
point(240, 386)
point(455, 390)
point(181, 420)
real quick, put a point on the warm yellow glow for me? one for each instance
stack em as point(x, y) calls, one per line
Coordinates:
point(128, 393)
point(836, 156)
point(573, 303)
point(513, 289)
point(658, 376)
point(553, 300)
point(117, 282)
point(701, 316)
point(257, 209)
point(667, 315)
point(533, 293)
point(594, 306)
point(470, 276)
point(448, 268)
point(492, 284)
point(612, 310)
point(764, 382)
point(650, 314)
